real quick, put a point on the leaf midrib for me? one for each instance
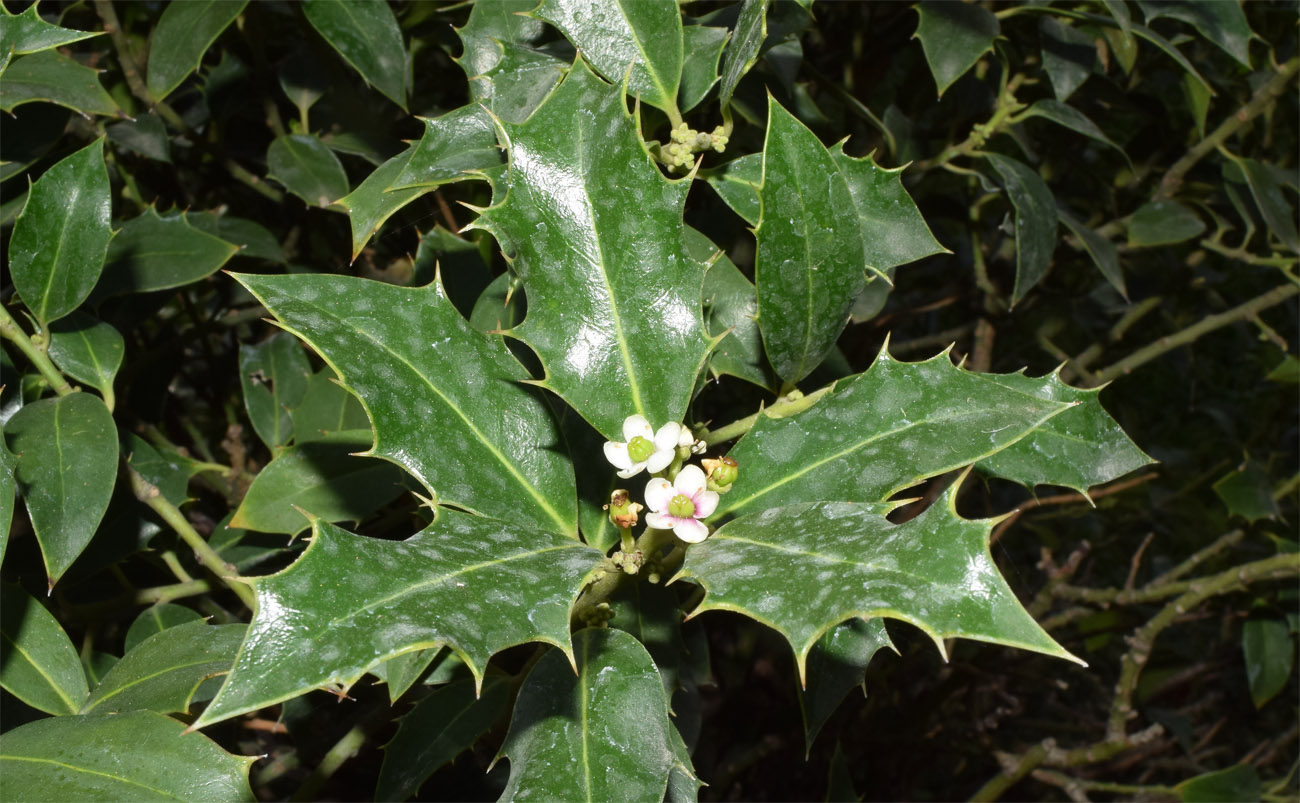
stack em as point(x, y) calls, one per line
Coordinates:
point(58, 690)
point(86, 771)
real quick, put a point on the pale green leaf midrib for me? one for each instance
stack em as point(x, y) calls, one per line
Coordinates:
point(582, 707)
point(96, 701)
point(669, 98)
point(69, 208)
point(117, 778)
point(58, 690)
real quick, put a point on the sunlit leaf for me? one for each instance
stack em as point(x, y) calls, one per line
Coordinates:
point(367, 36)
point(38, 664)
point(164, 671)
point(183, 34)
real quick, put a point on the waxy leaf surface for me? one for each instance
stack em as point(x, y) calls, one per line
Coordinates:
point(155, 620)
point(152, 252)
point(367, 36)
point(446, 401)
point(370, 204)
point(603, 734)
point(742, 51)
point(597, 233)
point(59, 240)
point(703, 47)
point(65, 758)
point(1078, 449)
point(307, 168)
point(52, 76)
point(459, 141)
point(736, 182)
point(1103, 252)
point(505, 71)
point(1035, 221)
point(87, 350)
point(953, 37)
point(29, 33)
point(809, 262)
point(731, 302)
point(879, 432)
point(838, 560)
point(164, 671)
point(38, 663)
point(615, 35)
point(67, 463)
point(836, 664)
point(325, 408)
point(184, 33)
point(1224, 24)
point(476, 584)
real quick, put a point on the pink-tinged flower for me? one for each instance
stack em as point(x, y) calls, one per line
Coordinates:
point(644, 448)
point(679, 506)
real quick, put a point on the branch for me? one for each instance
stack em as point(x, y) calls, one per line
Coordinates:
point(11, 331)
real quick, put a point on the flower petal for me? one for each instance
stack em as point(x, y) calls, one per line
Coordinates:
point(690, 530)
point(690, 481)
point(635, 425)
point(658, 492)
point(662, 521)
point(666, 437)
point(660, 460)
point(631, 472)
point(705, 504)
point(616, 453)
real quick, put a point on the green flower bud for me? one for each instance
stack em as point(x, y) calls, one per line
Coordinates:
point(722, 473)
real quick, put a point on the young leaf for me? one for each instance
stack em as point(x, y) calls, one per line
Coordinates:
point(703, 47)
point(880, 432)
point(155, 620)
point(274, 375)
point(368, 38)
point(601, 735)
point(164, 671)
point(1078, 449)
point(613, 297)
point(183, 34)
point(413, 361)
point(1103, 252)
point(25, 33)
point(954, 36)
point(1224, 24)
point(1073, 119)
point(1269, 651)
point(802, 569)
point(59, 241)
point(620, 34)
point(439, 728)
point(38, 664)
point(87, 350)
point(67, 464)
point(350, 602)
point(323, 478)
point(1035, 221)
point(157, 253)
point(307, 168)
point(809, 262)
point(1163, 223)
point(742, 52)
point(51, 76)
point(65, 758)
point(837, 663)
point(1247, 491)
point(505, 71)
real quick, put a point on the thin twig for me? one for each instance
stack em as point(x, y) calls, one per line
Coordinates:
point(1067, 499)
point(1137, 561)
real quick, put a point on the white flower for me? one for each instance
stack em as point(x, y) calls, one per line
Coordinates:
point(644, 448)
point(680, 505)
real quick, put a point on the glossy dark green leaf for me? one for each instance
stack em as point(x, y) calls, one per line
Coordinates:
point(1163, 223)
point(307, 168)
point(27, 32)
point(1269, 651)
point(737, 183)
point(1247, 491)
point(809, 262)
point(731, 306)
point(648, 611)
point(59, 240)
point(303, 80)
point(880, 432)
point(506, 71)
point(51, 76)
point(742, 52)
point(1224, 24)
point(893, 231)
point(620, 34)
point(1238, 782)
point(1143, 32)
point(400, 673)
point(439, 728)
point(802, 569)
point(953, 37)
point(323, 478)
point(1103, 252)
point(252, 238)
point(164, 672)
point(371, 203)
point(1277, 213)
point(702, 46)
point(87, 350)
point(499, 306)
point(597, 233)
point(368, 38)
point(1078, 449)
point(146, 135)
point(152, 252)
point(183, 34)
point(603, 734)
point(1068, 54)
point(413, 360)
point(1071, 118)
point(326, 407)
point(274, 376)
point(683, 785)
point(64, 758)
point(458, 142)
point(248, 550)
point(38, 664)
point(168, 472)
point(7, 465)
point(67, 463)
point(475, 584)
point(156, 619)
point(1035, 221)
point(836, 664)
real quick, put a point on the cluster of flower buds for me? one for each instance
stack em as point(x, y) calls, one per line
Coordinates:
point(686, 142)
point(598, 616)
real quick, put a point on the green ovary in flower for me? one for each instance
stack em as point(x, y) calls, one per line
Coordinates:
point(679, 505)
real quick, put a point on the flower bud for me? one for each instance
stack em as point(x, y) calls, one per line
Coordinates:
point(722, 473)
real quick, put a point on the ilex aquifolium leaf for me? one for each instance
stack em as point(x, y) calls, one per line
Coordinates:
point(597, 236)
point(476, 584)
